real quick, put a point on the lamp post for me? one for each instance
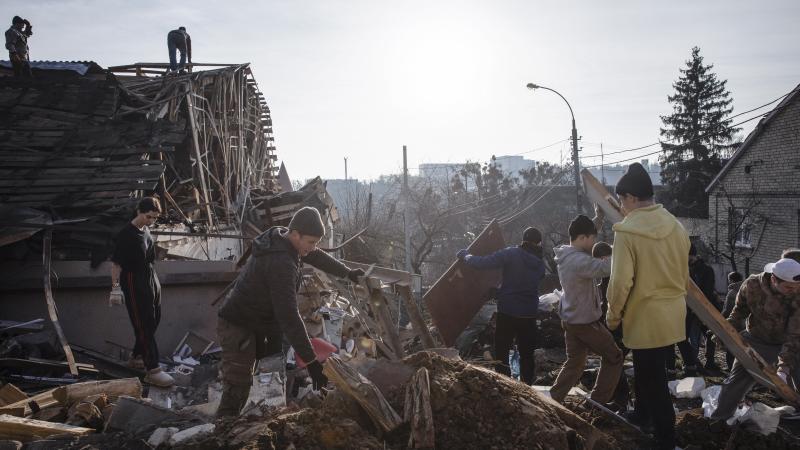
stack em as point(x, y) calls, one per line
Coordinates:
point(575, 160)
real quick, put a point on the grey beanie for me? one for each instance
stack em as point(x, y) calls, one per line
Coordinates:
point(308, 222)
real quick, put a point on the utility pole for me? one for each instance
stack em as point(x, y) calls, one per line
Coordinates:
point(406, 218)
point(602, 167)
point(345, 169)
point(576, 164)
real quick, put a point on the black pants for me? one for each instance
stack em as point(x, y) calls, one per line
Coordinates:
point(523, 330)
point(21, 68)
point(622, 393)
point(653, 401)
point(143, 301)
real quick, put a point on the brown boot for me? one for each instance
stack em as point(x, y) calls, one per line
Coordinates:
point(233, 400)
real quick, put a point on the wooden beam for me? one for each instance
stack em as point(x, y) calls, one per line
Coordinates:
point(198, 156)
point(377, 301)
point(763, 372)
point(66, 395)
point(25, 430)
point(42, 400)
point(417, 321)
point(51, 303)
point(364, 392)
point(11, 394)
point(418, 412)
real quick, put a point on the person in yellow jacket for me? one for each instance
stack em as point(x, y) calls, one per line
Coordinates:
point(647, 296)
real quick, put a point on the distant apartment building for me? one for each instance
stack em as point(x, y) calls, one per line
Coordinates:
point(508, 164)
point(611, 174)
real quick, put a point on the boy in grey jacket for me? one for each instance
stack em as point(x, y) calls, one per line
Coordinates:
point(582, 316)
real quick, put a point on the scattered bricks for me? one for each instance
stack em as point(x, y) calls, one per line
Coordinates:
point(197, 432)
point(161, 436)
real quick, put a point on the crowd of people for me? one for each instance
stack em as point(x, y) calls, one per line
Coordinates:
point(632, 299)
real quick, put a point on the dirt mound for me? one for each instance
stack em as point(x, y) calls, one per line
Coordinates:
point(695, 432)
point(476, 408)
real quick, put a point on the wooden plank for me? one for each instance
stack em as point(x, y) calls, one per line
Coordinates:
point(418, 412)
point(51, 303)
point(42, 400)
point(131, 387)
point(11, 394)
point(377, 301)
point(461, 291)
point(763, 373)
point(199, 162)
point(417, 321)
point(25, 430)
point(364, 392)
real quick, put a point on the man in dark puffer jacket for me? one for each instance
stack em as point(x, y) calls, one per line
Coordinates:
point(262, 304)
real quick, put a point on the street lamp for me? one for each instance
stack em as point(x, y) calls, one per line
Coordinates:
point(575, 160)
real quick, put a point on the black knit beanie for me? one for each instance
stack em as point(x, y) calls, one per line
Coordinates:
point(307, 222)
point(533, 235)
point(581, 225)
point(636, 181)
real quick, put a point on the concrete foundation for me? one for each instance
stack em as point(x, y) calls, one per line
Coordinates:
point(81, 295)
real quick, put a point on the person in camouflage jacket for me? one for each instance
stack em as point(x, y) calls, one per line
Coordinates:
point(767, 315)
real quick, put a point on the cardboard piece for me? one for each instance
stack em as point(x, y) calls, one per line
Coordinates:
point(461, 291)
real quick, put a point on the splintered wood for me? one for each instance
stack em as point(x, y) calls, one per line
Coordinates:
point(364, 392)
point(25, 430)
point(418, 412)
point(763, 372)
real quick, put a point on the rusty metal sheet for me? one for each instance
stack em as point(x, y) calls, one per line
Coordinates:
point(763, 373)
point(458, 295)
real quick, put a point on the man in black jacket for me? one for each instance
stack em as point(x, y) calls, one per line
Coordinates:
point(262, 304)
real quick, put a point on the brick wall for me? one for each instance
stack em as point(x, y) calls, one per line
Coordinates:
point(772, 188)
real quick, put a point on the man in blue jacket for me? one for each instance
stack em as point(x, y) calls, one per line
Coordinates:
point(517, 299)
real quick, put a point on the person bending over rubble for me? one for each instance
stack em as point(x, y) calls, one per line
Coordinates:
point(262, 304)
point(646, 295)
point(581, 313)
point(768, 310)
point(517, 299)
point(179, 41)
point(134, 279)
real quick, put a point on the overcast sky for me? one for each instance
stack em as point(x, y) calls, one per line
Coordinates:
point(359, 79)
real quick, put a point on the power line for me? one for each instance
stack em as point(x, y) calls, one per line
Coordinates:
point(659, 151)
point(732, 126)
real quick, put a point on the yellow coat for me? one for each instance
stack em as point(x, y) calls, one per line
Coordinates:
point(649, 275)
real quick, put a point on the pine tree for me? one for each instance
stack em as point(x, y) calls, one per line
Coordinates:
point(697, 135)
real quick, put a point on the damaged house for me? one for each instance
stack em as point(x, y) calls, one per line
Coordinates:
point(80, 144)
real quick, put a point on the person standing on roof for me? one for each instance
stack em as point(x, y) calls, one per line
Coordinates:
point(17, 46)
point(134, 278)
point(179, 40)
point(517, 299)
point(262, 305)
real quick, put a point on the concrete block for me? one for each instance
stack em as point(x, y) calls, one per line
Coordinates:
point(160, 436)
point(191, 433)
point(132, 414)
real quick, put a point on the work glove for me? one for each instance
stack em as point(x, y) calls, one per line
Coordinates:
point(354, 275)
point(15, 57)
point(783, 375)
point(318, 379)
point(715, 339)
point(462, 254)
point(116, 297)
